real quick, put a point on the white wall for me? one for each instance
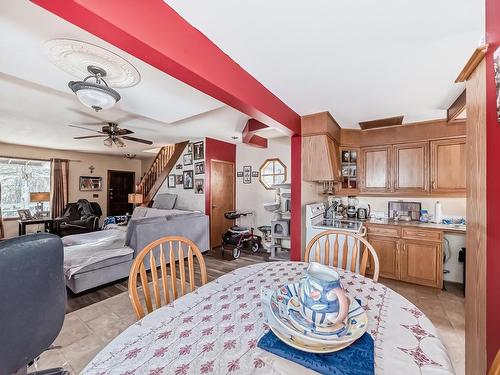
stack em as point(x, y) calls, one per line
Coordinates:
point(187, 199)
point(253, 196)
point(452, 207)
point(78, 166)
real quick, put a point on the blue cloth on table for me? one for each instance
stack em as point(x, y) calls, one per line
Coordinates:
point(356, 359)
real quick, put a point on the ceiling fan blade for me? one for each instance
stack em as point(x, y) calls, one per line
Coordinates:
point(137, 140)
point(93, 123)
point(90, 136)
point(124, 132)
point(81, 127)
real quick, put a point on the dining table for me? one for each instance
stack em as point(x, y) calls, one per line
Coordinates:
point(216, 328)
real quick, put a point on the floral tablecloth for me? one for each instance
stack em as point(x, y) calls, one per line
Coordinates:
point(215, 329)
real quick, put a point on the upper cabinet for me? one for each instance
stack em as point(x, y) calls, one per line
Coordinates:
point(375, 169)
point(411, 167)
point(448, 166)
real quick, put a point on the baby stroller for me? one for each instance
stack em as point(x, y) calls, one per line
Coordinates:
point(237, 237)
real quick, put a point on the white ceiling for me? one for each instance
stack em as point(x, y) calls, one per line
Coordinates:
point(36, 104)
point(361, 60)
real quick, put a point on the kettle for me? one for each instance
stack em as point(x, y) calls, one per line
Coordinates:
point(363, 213)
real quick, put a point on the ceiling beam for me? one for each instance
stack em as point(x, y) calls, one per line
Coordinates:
point(381, 123)
point(457, 108)
point(250, 138)
point(159, 36)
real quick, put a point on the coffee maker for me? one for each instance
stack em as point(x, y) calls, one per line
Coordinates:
point(352, 202)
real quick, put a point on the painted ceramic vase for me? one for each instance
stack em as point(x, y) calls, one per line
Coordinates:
point(322, 299)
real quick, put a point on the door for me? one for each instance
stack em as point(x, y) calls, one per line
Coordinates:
point(422, 263)
point(387, 252)
point(411, 168)
point(120, 185)
point(221, 199)
point(448, 166)
point(375, 169)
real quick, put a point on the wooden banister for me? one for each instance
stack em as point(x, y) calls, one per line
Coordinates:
point(159, 170)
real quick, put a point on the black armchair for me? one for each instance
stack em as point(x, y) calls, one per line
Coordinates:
point(33, 299)
point(80, 217)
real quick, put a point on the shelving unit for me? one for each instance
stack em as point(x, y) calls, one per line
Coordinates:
point(349, 184)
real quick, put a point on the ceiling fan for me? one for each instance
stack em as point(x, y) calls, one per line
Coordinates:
point(112, 133)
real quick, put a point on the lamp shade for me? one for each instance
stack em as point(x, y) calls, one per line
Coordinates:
point(40, 196)
point(135, 198)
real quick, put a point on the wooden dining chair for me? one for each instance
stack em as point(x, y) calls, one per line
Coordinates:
point(495, 366)
point(158, 254)
point(342, 249)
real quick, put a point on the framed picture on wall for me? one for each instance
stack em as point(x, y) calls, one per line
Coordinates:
point(199, 150)
point(178, 179)
point(199, 186)
point(171, 180)
point(247, 174)
point(178, 166)
point(88, 183)
point(239, 174)
point(187, 159)
point(496, 67)
point(190, 148)
point(199, 167)
point(188, 179)
point(255, 173)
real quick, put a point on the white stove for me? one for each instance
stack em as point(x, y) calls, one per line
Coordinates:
point(317, 223)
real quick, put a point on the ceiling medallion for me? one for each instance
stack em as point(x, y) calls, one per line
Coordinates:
point(74, 57)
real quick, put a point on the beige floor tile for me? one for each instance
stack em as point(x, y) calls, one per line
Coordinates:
point(81, 352)
point(73, 329)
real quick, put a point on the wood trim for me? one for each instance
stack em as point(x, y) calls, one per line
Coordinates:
point(381, 123)
point(476, 238)
point(471, 65)
point(408, 133)
point(457, 107)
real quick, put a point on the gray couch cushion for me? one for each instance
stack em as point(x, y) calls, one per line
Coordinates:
point(165, 201)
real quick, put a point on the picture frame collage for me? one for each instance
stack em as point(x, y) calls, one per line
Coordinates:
point(247, 174)
point(192, 165)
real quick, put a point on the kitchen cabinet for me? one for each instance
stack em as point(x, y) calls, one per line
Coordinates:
point(349, 168)
point(375, 169)
point(387, 251)
point(320, 159)
point(407, 253)
point(411, 168)
point(422, 263)
point(448, 166)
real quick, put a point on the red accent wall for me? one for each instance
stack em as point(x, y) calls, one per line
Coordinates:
point(296, 220)
point(492, 185)
point(216, 150)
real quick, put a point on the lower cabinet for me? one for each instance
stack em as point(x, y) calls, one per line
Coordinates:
point(422, 263)
point(387, 251)
point(412, 255)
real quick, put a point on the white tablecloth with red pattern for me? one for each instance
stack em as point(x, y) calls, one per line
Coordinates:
point(215, 329)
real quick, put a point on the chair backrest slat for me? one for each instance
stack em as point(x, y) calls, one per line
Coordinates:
point(353, 245)
point(164, 275)
point(145, 288)
point(345, 252)
point(182, 270)
point(327, 251)
point(158, 257)
point(154, 277)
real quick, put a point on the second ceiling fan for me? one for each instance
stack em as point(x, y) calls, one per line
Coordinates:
point(112, 133)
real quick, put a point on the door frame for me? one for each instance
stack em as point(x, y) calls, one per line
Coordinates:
point(109, 179)
point(233, 164)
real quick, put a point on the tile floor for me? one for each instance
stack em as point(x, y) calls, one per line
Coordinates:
point(87, 330)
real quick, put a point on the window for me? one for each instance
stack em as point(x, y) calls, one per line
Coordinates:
point(272, 172)
point(19, 178)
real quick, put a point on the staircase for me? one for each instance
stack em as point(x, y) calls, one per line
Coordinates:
point(156, 175)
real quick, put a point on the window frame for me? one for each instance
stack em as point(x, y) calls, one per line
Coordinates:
point(13, 218)
point(261, 174)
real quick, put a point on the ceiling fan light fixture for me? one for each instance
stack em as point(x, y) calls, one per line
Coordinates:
point(96, 95)
point(108, 142)
point(119, 142)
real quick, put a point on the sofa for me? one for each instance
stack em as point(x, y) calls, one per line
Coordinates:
point(98, 258)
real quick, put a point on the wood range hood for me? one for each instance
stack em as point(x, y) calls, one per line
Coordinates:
point(320, 148)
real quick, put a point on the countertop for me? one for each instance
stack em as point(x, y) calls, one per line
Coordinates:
point(452, 228)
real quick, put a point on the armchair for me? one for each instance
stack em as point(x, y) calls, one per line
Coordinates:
point(80, 217)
